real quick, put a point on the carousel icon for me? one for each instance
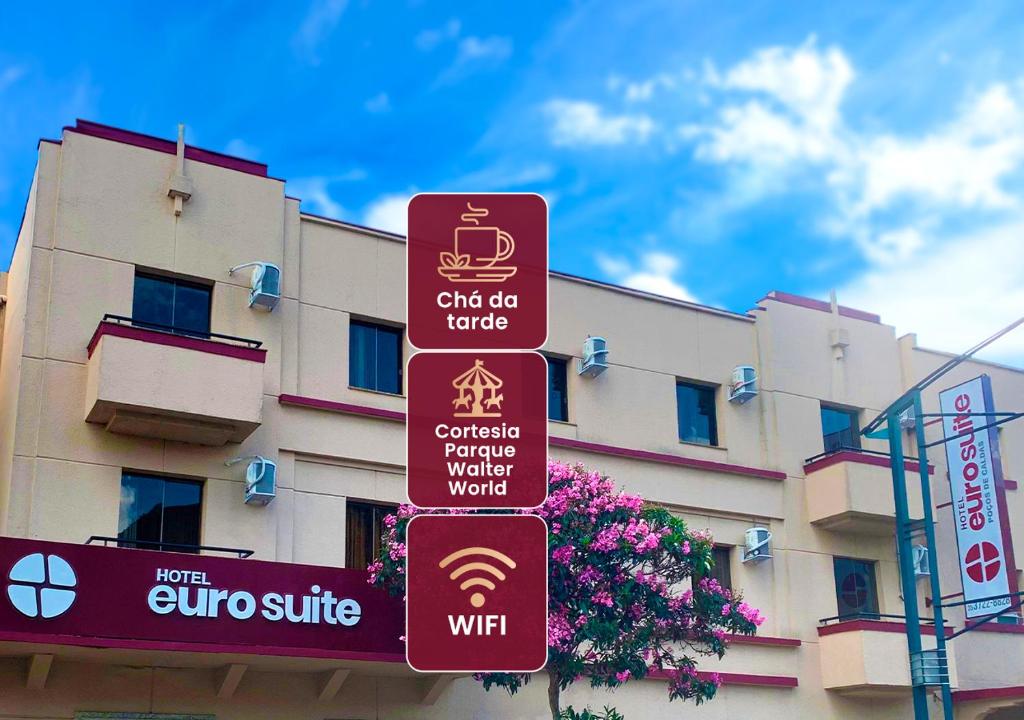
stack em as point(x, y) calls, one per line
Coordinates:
point(478, 251)
point(478, 393)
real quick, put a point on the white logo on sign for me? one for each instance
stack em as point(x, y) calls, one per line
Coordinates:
point(41, 585)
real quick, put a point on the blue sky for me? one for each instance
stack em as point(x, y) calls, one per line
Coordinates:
point(710, 151)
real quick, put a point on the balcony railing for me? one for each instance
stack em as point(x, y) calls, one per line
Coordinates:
point(167, 546)
point(182, 331)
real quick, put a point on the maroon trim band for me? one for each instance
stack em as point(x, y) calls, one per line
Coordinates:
point(873, 626)
point(210, 157)
point(861, 459)
point(812, 304)
point(340, 407)
point(997, 627)
point(730, 678)
point(121, 643)
point(161, 338)
point(1010, 484)
point(666, 458)
point(1000, 693)
point(764, 640)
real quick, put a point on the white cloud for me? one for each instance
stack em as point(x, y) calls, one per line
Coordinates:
point(319, 22)
point(379, 103)
point(577, 122)
point(389, 212)
point(430, 38)
point(654, 273)
point(505, 175)
point(641, 90)
point(240, 148)
point(315, 195)
point(10, 75)
point(959, 292)
point(475, 54)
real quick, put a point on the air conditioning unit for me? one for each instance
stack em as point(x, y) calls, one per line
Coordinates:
point(920, 559)
point(265, 286)
point(743, 387)
point(757, 541)
point(595, 357)
point(260, 481)
point(908, 420)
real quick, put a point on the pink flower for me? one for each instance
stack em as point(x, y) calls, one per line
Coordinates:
point(622, 676)
point(563, 555)
point(726, 609)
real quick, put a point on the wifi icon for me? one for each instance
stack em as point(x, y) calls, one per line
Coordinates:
point(477, 599)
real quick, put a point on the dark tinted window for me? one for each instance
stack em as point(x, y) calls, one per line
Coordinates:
point(856, 590)
point(375, 357)
point(722, 569)
point(159, 510)
point(839, 428)
point(364, 525)
point(696, 413)
point(170, 303)
point(558, 390)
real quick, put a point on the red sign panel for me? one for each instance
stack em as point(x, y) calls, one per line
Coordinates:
point(111, 597)
point(477, 593)
point(477, 268)
point(477, 429)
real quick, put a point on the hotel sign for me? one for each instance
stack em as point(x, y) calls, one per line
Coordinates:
point(987, 567)
point(112, 597)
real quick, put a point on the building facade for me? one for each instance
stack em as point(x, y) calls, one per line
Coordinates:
point(132, 370)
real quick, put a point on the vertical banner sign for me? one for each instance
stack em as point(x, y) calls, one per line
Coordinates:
point(987, 567)
point(477, 429)
point(477, 593)
point(477, 270)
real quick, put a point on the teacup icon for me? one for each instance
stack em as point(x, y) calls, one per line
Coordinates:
point(478, 250)
point(484, 246)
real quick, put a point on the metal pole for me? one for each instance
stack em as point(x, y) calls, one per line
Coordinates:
point(906, 553)
point(933, 560)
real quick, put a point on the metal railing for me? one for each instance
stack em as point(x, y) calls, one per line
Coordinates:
point(845, 448)
point(869, 616)
point(168, 546)
point(186, 332)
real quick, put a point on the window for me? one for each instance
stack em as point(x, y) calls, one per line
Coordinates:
point(722, 568)
point(856, 590)
point(839, 428)
point(558, 389)
point(156, 510)
point(170, 303)
point(364, 525)
point(696, 413)
point(375, 357)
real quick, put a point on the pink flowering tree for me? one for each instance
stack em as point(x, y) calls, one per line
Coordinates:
point(629, 592)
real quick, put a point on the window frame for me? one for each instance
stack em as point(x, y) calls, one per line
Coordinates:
point(725, 550)
point(175, 281)
point(554, 360)
point(714, 436)
point(853, 429)
point(872, 599)
point(160, 543)
point(377, 327)
point(376, 529)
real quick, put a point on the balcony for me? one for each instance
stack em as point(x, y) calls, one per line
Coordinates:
point(158, 383)
point(868, 657)
point(850, 490)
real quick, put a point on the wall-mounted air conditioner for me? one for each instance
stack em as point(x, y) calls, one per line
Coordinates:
point(260, 479)
point(908, 420)
point(757, 544)
point(595, 357)
point(265, 286)
point(743, 387)
point(920, 558)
